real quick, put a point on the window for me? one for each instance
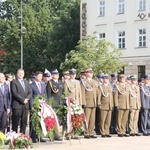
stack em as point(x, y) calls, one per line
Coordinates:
point(142, 5)
point(102, 8)
point(102, 36)
point(121, 6)
point(121, 39)
point(141, 37)
point(141, 71)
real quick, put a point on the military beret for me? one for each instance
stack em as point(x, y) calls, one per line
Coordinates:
point(72, 71)
point(55, 72)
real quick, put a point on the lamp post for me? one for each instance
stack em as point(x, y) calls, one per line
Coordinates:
point(21, 34)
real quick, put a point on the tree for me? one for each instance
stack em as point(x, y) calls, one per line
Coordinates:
point(102, 56)
point(65, 34)
point(46, 24)
point(36, 22)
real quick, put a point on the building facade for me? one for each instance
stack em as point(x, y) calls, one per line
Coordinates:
point(125, 23)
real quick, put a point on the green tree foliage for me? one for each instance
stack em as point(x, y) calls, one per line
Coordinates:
point(65, 34)
point(102, 56)
point(47, 36)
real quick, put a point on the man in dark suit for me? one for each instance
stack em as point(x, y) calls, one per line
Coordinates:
point(4, 102)
point(21, 93)
point(38, 88)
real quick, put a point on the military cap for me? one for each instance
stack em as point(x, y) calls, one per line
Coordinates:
point(128, 77)
point(146, 77)
point(55, 72)
point(72, 71)
point(82, 72)
point(105, 76)
point(140, 79)
point(133, 77)
point(89, 70)
point(114, 76)
point(99, 76)
point(121, 76)
point(46, 75)
point(66, 73)
point(32, 76)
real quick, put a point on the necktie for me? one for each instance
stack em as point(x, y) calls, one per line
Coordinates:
point(39, 86)
point(23, 86)
point(2, 88)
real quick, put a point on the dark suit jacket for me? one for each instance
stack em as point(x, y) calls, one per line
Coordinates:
point(4, 98)
point(19, 95)
point(55, 91)
point(36, 92)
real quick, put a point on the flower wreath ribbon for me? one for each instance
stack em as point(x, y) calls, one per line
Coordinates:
point(46, 111)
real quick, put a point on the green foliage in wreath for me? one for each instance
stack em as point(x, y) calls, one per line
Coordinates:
point(62, 112)
point(35, 118)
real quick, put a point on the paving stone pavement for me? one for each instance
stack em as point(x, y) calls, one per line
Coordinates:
point(113, 143)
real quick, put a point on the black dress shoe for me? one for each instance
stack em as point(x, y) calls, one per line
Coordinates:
point(103, 136)
point(136, 134)
point(120, 135)
point(108, 135)
point(57, 138)
point(34, 141)
point(98, 133)
point(87, 137)
point(144, 134)
point(132, 134)
point(42, 140)
point(126, 135)
point(92, 136)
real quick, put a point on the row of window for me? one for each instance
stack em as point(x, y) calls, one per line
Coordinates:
point(121, 38)
point(120, 6)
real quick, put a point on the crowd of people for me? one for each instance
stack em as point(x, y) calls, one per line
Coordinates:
point(113, 104)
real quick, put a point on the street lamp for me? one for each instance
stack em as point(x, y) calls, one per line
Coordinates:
point(21, 34)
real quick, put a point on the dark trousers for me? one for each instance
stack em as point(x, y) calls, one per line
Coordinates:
point(33, 134)
point(3, 118)
point(97, 121)
point(139, 123)
point(113, 121)
point(22, 116)
point(145, 121)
